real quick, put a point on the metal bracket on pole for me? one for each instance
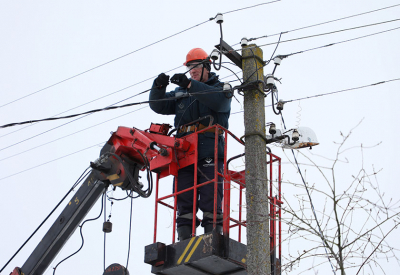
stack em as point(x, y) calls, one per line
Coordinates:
point(229, 52)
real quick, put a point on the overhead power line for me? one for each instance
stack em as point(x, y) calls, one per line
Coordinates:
point(331, 93)
point(112, 93)
point(369, 25)
point(323, 23)
point(82, 130)
point(171, 98)
point(103, 64)
point(341, 91)
point(344, 41)
point(100, 110)
point(265, 3)
point(147, 102)
point(98, 144)
point(308, 97)
point(52, 118)
point(332, 32)
point(59, 126)
point(67, 124)
point(127, 54)
point(250, 39)
point(127, 105)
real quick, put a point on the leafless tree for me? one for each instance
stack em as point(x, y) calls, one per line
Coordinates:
point(336, 219)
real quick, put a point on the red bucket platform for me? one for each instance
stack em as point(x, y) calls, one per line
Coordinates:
point(213, 253)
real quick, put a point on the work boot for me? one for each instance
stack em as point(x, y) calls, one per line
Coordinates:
point(184, 232)
point(209, 227)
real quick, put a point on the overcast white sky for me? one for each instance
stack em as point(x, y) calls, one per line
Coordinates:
point(45, 42)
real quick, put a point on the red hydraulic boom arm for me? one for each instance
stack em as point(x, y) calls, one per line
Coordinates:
point(128, 151)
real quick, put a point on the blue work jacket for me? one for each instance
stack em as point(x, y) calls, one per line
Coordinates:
point(186, 109)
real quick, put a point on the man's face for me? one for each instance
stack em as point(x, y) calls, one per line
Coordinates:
point(195, 72)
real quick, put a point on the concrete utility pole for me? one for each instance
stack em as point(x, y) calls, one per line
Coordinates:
point(258, 243)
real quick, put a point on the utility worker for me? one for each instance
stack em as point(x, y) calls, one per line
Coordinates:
point(207, 99)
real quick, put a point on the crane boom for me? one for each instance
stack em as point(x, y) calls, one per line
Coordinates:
point(128, 151)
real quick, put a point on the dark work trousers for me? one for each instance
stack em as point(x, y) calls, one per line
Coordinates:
point(205, 194)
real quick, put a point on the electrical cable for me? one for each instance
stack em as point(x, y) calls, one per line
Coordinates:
point(251, 7)
point(143, 193)
point(332, 32)
point(53, 118)
point(365, 86)
point(104, 232)
point(265, 62)
point(143, 102)
point(344, 41)
point(232, 74)
point(277, 43)
point(134, 84)
point(274, 94)
point(130, 195)
point(341, 91)
point(311, 203)
point(322, 23)
point(115, 92)
point(330, 93)
point(79, 180)
point(310, 36)
point(49, 130)
point(130, 231)
point(60, 158)
point(272, 55)
point(6, 177)
point(101, 65)
point(83, 241)
point(334, 44)
point(179, 122)
point(111, 107)
point(69, 121)
point(127, 54)
point(57, 139)
point(164, 99)
point(217, 68)
point(116, 199)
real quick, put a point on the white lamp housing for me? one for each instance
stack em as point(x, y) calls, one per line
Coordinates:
point(307, 139)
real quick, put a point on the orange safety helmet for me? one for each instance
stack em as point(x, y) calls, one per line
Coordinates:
point(196, 54)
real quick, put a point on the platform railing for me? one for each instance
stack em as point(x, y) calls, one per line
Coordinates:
point(231, 179)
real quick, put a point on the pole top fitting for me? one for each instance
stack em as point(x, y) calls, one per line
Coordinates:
point(219, 18)
point(277, 60)
point(270, 80)
point(244, 42)
point(214, 54)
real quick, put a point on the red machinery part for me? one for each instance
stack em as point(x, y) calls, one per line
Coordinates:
point(159, 128)
point(136, 143)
